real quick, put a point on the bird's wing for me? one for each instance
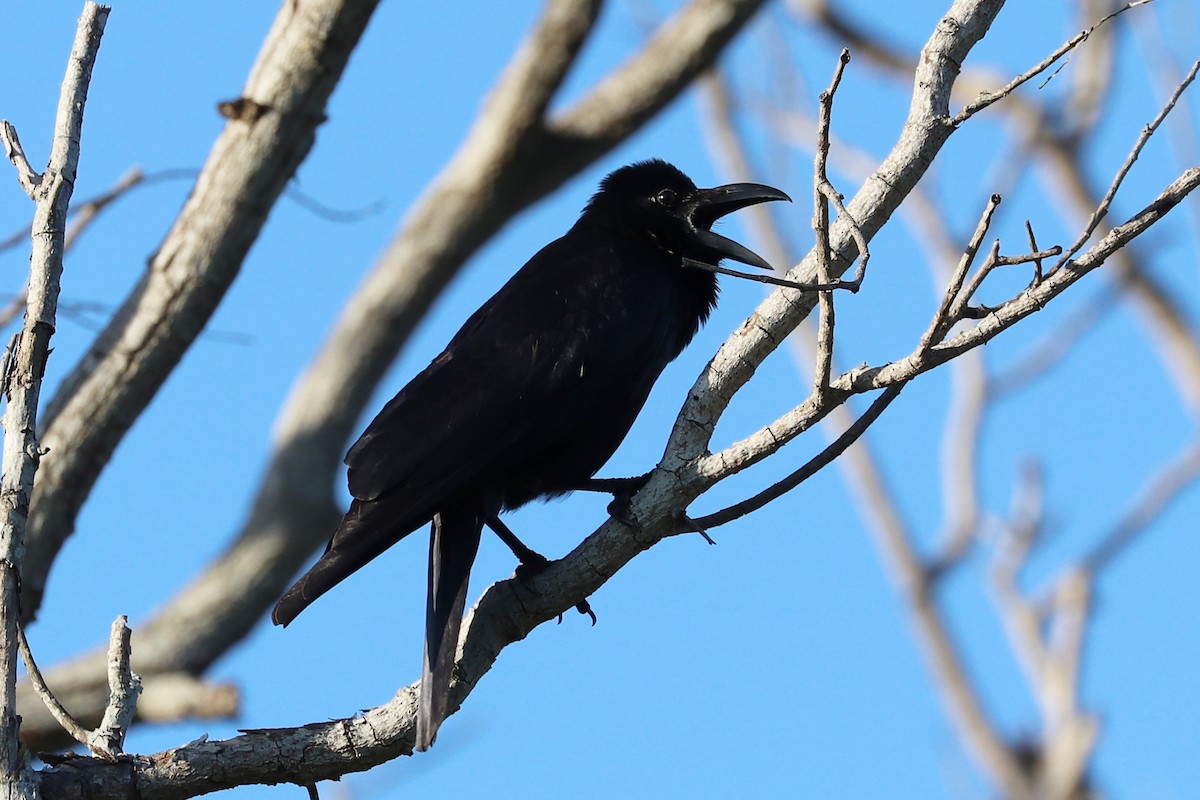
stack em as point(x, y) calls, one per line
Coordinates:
point(499, 379)
point(497, 391)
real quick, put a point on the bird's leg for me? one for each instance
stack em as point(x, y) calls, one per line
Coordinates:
point(532, 562)
point(622, 490)
point(526, 555)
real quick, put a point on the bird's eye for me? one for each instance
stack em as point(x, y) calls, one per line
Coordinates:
point(666, 198)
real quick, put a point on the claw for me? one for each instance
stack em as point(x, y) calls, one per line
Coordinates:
point(583, 607)
point(622, 490)
point(533, 566)
point(621, 509)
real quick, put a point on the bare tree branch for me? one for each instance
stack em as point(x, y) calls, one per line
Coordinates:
point(1147, 132)
point(924, 132)
point(822, 192)
point(51, 192)
point(509, 610)
point(1178, 344)
point(123, 689)
point(986, 99)
point(1154, 498)
point(1050, 654)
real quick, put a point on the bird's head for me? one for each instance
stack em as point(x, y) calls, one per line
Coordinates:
point(659, 202)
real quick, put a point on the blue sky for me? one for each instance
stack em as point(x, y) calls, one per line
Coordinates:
point(777, 664)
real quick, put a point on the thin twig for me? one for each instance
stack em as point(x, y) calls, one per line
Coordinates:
point(814, 465)
point(988, 98)
point(27, 176)
point(1033, 248)
point(856, 233)
point(822, 191)
point(771, 279)
point(71, 725)
point(961, 306)
point(694, 526)
point(940, 324)
point(1102, 209)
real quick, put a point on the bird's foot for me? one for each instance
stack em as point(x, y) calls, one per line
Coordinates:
point(535, 565)
point(622, 490)
point(531, 566)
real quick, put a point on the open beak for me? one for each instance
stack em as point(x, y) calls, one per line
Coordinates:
point(703, 207)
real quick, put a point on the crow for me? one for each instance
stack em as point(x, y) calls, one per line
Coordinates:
point(533, 395)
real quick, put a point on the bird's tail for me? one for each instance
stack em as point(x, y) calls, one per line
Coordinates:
point(453, 543)
point(369, 528)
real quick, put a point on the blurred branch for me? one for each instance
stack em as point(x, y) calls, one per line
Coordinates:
point(1049, 648)
point(1165, 71)
point(85, 212)
point(83, 215)
point(1055, 346)
point(1158, 493)
point(250, 163)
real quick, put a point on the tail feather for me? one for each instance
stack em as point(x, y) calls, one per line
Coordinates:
point(453, 544)
point(369, 528)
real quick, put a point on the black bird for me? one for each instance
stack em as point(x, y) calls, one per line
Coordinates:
point(533, 394)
